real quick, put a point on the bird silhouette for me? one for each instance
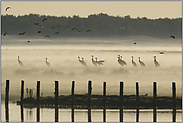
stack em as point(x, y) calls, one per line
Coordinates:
point(134, 64)
point(135, 43)
point(155, 62)
point(45, 19)
point(39, 32)
point(161, 52)
point(56, 32)
point(47, 63)
point(173, 36)
point(141, 63)
point(5, 34)
point(7, 8)
point(120, 61)
point(47, 36)
point(36, 23)
point(20, 62)
point(22, 33)
point(88, 30)
point(94, 62)
point(123, 62)
point(28, 41)
point(99, 62)
point(82, 61)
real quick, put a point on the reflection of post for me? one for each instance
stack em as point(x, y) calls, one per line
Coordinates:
point(104, 100)
point(56, 101)
point(121, 102)
point(38, 98)
point(154, 102)
point(89, 101)
point(137, 98)
point(73, 82)
point(6, 101)
point(21, 98)
point(174, 101)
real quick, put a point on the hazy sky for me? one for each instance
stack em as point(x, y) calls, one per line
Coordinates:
point(149, 9)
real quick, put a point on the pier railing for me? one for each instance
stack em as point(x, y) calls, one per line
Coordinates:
point(121, 101)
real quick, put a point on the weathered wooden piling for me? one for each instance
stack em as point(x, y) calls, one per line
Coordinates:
point(56, 101)
point(104, 102)
point(174, 101)
point(154, 101)
point(38, 101)
point(121, 101)
point(7, 100)
point(21, 99)
point(89, 100)
point(72, 93)
point(137, 98)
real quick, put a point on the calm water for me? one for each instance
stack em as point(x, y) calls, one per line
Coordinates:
point(81, 115)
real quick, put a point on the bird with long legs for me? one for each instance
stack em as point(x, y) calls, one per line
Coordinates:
point(119, 60)
point(99, 62)
point(82, 61)
point(94, 62)
point(47, 63)
point(141, 63)
point(134, 64)
point(20, 62)
point(155, 62)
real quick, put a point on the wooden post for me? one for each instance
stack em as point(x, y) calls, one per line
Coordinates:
point(6, 101)
point(174, 101)
point(104, 102)
point(154, 101)
point(56, 101)
point(137, 98)
point(38, 99)
point(21, 98)
point(73, 83)
point(89, 101)
point(121, 101)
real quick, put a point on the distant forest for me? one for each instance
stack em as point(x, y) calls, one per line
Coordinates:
point(95, 25)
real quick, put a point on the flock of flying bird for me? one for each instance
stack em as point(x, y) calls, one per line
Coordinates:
point(100, 62)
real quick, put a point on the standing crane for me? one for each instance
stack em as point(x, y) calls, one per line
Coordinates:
point(47, 63)
point(94, 62)
point(134, 64)
point(82, 61)
point(20, 62)
point(141, 63)
point(155, 62)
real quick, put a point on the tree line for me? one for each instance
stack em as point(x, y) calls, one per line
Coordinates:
point(100, 25)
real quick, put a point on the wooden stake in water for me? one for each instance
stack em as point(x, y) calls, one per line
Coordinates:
point(21, 98)
point(38, 99)
point(174, 101)
point(89, 101)
point(104, 102)
point(137, 98)
point(154, 101)
point(72, 93)
point(121, 101)
point(7, 100)
point(56, 101)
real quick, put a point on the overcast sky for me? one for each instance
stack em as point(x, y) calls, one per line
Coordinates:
point(149, 9)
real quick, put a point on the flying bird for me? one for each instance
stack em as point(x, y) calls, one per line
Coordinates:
point(36, 23)
point(88, 30)
point(28, 41)
point(44, 19)
point(5, 34)
point(134, 64)
point(141, 63)
point(161, 52)
point(7, 8)
point(155, 62)
point(47, 63)
point(173, 36)
point(135, 43)
point(47, 36)
point(56, 32)
point(22, 33)
point(20, 62)
point(39, 32)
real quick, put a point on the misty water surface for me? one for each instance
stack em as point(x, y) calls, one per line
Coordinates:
point(65, 67)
